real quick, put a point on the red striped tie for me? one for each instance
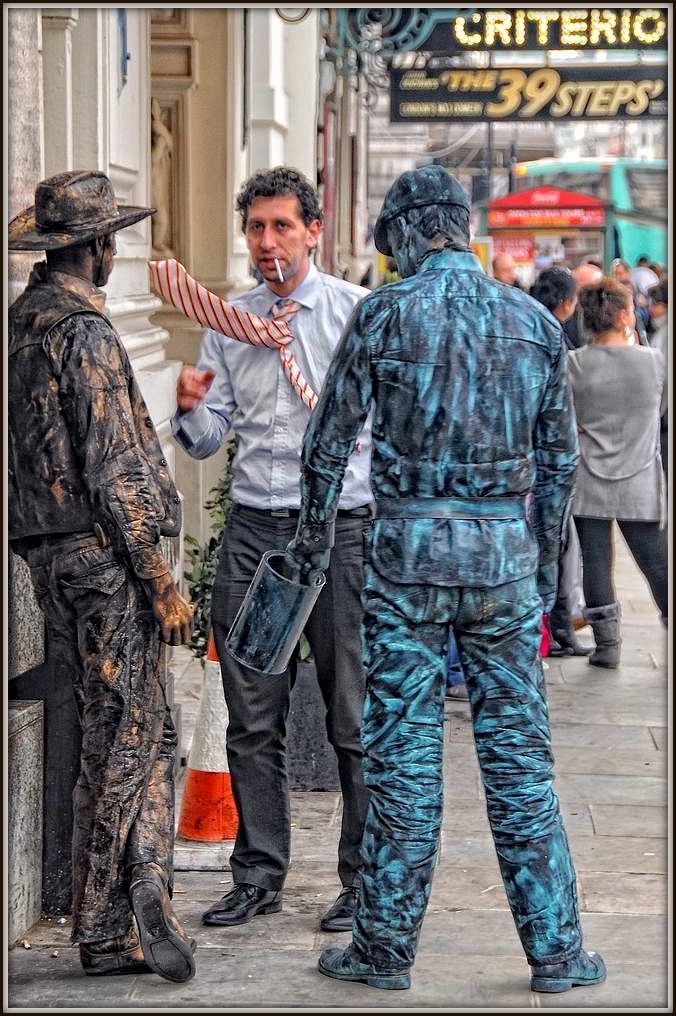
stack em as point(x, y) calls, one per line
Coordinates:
point(172, 282)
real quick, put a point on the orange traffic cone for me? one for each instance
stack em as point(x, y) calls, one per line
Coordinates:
point(208, 811)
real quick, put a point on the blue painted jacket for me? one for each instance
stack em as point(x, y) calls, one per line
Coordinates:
point(474, 434)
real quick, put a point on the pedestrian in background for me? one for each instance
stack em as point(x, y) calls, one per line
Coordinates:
point(504, 270)
point(622, 273)
point(90, 496)
point(642, 279)
point(242, 388)
point(556, 289)
point(585, 274)
point(473, 461)
point(619, 392)
point(659, 339)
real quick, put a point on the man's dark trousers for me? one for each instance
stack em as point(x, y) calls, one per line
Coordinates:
point(258, 704)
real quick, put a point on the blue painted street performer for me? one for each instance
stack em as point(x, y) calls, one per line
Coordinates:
point(473, 461)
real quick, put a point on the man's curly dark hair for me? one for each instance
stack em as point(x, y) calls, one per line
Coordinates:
point(277, 183)
point(553, 286)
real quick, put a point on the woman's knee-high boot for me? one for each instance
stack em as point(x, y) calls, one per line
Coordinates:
point(605, 622)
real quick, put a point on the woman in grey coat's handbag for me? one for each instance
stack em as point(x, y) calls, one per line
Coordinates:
point(619, 390)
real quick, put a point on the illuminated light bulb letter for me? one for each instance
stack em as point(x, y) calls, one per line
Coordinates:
point(642, 33)
point(519, 27)
point(462, 36)
point(543, 20)
point(574, 28)
point(625, 27)
point(603, 22)
point(497, 23)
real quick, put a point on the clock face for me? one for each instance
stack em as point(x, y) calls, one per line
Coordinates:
point(292, 15)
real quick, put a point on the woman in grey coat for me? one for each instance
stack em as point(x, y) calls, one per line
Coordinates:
point(619, 390)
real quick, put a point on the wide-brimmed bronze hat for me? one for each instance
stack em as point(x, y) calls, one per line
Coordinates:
point(71, 208)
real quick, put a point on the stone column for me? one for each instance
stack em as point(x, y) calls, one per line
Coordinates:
point(269, 101)
point(24, 170)
point(25, 626)
point(57, 39)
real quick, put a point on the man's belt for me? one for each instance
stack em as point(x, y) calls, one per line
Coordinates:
point(509, 507)
point(59, 539)
point(363, 512)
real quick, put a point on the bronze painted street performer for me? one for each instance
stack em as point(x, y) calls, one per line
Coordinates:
point(89, 496)
point(474, 455)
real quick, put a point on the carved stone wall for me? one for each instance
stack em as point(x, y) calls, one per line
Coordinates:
point(173, 56)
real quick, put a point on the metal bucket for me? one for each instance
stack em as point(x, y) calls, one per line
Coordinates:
point(272, 616)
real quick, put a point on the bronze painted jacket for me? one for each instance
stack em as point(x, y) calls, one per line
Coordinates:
point(82, 446)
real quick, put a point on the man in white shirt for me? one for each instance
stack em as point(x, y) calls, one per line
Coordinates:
point(242, 388)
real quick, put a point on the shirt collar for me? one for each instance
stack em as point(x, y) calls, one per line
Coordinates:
point(306, 293)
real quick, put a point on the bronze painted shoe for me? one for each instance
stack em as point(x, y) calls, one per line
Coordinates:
point(115, 956)
point(345, 965)
point(166, 947)
point(241, 904)
point(582, 970)
point(339, 917)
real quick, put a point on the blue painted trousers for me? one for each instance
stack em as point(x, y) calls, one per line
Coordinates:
point(498, 630)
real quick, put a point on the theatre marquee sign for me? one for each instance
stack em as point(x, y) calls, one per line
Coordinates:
point(532, 28)
point(510, 93)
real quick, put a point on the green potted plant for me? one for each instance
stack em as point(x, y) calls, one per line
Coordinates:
point(202, 558)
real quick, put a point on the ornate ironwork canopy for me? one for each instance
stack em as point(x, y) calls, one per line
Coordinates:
point(385, 31)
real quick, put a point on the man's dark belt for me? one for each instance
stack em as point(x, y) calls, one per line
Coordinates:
point(364, 512)
point(508, 507)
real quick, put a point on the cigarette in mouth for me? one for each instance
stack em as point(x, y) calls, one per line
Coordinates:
point(280, 275)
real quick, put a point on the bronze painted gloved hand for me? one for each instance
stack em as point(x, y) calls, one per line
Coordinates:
point(310, 549)
point(174, 614)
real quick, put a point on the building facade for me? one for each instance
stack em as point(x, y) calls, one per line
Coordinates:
point(178, 106)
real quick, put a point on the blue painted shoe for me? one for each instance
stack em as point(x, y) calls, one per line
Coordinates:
point(346, 966)
point(580, 971)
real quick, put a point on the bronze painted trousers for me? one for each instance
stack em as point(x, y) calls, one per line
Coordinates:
point(103, 637)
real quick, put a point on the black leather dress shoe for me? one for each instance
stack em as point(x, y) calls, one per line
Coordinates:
point(241, 904)
point(339, 916)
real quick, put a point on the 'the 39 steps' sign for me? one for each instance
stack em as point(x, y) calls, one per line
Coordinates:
point(510, 93)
